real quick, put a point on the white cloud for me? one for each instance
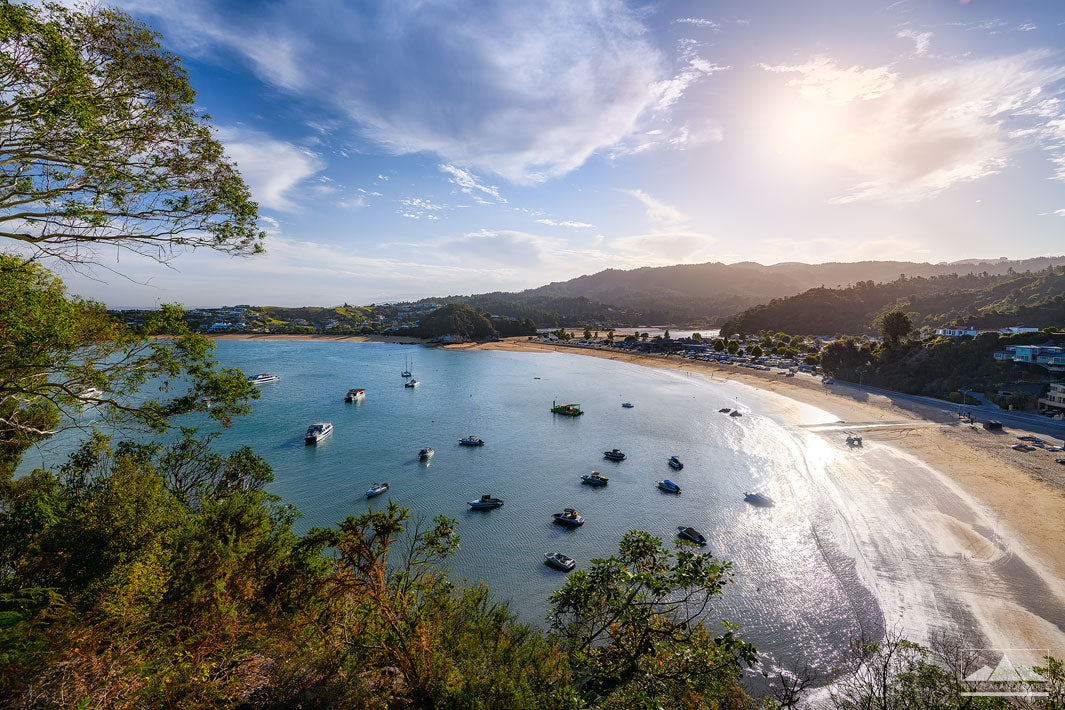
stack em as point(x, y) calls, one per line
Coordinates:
point(469, 184)
point(566, 223)
point(1027, 27)
point(909, 138)
point(697, 21)
point(272, 168)
point(921, 40)
point(658, 211)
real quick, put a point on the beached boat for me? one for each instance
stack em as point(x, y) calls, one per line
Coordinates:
point(627, 405)
point(759, 499)
point(735, 413)
point(471, 441)
point(411, 383)
point(614, 455)
point(318, 431)
point(675, 464)
point(376, 490)
point(559, 561)
point(669, 486)
point(569, 410)
point(725, 410)
point(425, 454)
point(1061, 461)
point(594, 479)
point(854, 440)
point(263, 378)
point(485, 501)
point(570, 517)
point(691, 534)
point(355, 394)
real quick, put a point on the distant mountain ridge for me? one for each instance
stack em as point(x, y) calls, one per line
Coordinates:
point(711, 292)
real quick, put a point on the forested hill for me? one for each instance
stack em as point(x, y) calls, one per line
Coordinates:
point(692, 293)
point(981, 300)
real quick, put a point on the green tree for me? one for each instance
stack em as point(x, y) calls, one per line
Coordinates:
point(733, 346)
point(587, 333)
point(665, 334)
point(697, 337)
point(894, 325)
point(719, 345)
point(103, 143)
point(631, 626)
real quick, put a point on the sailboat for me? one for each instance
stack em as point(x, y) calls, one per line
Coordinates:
point(406, 369)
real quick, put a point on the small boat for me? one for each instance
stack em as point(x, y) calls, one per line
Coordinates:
point(425, 454)
point(559, 561)
point(205, 403)
point(406, 369)
point(854, 440)
point(669, 486)
point(1061, 461)
point(485, 501)
point(759, 499)
point(627, 405)
point(569, 410)
point(725, 410)
point(411, 383)
point(471, 441)
point(318, 431)
point(376, 489)
point(355, 394)
point(91, 393)
point(735, 413)
point(1022, 447)
point(614, 455)
point(570, 517)
point(594, 479)
point(263, 378)
point(675, 464)
point(691, 534)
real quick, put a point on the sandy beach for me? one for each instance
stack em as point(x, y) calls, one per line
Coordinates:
point(1023, 492)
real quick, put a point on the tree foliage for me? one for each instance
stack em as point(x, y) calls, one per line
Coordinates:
point(103, 144)
point(894, 325)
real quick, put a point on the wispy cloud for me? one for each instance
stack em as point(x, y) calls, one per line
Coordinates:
point(698, 22)
point(921, 40)
point(658, 211)
point(822, 81)
point(469, 184)
point(272, 168)
point(566, 223)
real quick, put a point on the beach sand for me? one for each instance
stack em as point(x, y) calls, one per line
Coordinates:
point(1023, 492)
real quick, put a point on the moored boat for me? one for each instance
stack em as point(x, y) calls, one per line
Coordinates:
point(669, 486)
point(376, 490)
point(91, 393)
point(692, 534)
point(614, 455)
point(263, 378)
point(759, 499)
point(725, 410)
point(471, 441)
point(411, 383)
point(854, 440)
point(735, 413)
point(627, 405)
point(426, 454)
point(675, 463)
point(355, 394)
point(569, 410)
point(570, 517)
point(317, 431)
point(559, 561)
point(594, 479)
point(485, 501)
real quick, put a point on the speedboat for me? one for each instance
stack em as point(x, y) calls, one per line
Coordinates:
point(691, 534)
point(614, 455)
point(317, 432)
point(569, 517)
point(354, 395)
point(759, 499)
point(411, 383)
point(263, 378)
point(669, 486)
point(627, 405)
point(376, 490)
point(485, 501)
point(91, 393)
point(675, 463)
point(471, 441)
point(854, 440)
point(559, 561)
point(425, 454)
point(569, 410)
point(594, 479)
point(735, 413)
point(725, 410)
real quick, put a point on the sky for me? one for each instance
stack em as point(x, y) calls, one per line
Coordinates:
point(407, 149)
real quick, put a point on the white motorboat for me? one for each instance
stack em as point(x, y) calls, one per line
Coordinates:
point(317, 431)
point(570, 517)
point(376, 490)
point(426, 454)
point(355, 394)
point(411, 383)
point(262, 378)
point(485, 501)
point(559, 561)
point(91, 393)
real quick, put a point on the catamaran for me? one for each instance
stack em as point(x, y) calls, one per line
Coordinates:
point(355, 395)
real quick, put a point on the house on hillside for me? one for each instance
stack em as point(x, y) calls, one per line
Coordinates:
point(1052, 357)
point(957, 332)
point(1055, 397)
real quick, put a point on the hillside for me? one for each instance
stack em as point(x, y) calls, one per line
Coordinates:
point(709, 293)
point(982, 301)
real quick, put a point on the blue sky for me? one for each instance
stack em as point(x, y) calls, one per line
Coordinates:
point(409, 149)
